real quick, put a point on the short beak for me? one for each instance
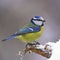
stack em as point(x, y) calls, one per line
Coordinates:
point(44, 21)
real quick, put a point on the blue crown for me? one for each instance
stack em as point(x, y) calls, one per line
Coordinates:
point(37, 17)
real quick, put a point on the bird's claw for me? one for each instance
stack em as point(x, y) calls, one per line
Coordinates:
point(34, 44)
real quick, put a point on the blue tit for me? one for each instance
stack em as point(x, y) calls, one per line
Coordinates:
point(31, 32)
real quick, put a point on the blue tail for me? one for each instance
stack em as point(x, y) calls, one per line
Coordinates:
point(10, 37)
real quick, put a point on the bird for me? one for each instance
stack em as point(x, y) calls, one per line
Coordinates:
point(30, 32)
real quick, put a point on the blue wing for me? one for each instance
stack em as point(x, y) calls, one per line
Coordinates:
point(22, 31)
point(28, 30)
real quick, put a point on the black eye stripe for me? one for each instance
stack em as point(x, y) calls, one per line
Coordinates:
point(37, 19)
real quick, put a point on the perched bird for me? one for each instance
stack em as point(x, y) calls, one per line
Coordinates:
point(31, 32)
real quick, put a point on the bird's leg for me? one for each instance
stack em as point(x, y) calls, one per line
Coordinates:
point(28, 45)
point(36, 43)
point(32, 44)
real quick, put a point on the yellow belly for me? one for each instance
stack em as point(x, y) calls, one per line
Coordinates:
point(30, 37)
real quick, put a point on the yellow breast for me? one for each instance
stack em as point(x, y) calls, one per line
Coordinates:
point(30, 37)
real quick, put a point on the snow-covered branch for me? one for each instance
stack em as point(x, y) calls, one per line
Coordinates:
point(50, 50)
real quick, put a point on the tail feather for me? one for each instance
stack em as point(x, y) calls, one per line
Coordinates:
point(10, 37)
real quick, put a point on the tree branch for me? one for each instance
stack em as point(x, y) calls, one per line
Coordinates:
point(50, 50)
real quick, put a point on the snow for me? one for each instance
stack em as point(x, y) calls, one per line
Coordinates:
point(55, 50)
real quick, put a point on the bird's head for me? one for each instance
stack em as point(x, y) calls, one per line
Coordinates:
point(38, 20)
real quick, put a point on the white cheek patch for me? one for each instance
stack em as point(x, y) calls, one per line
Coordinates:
point(41, 18)
point(38, 22)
